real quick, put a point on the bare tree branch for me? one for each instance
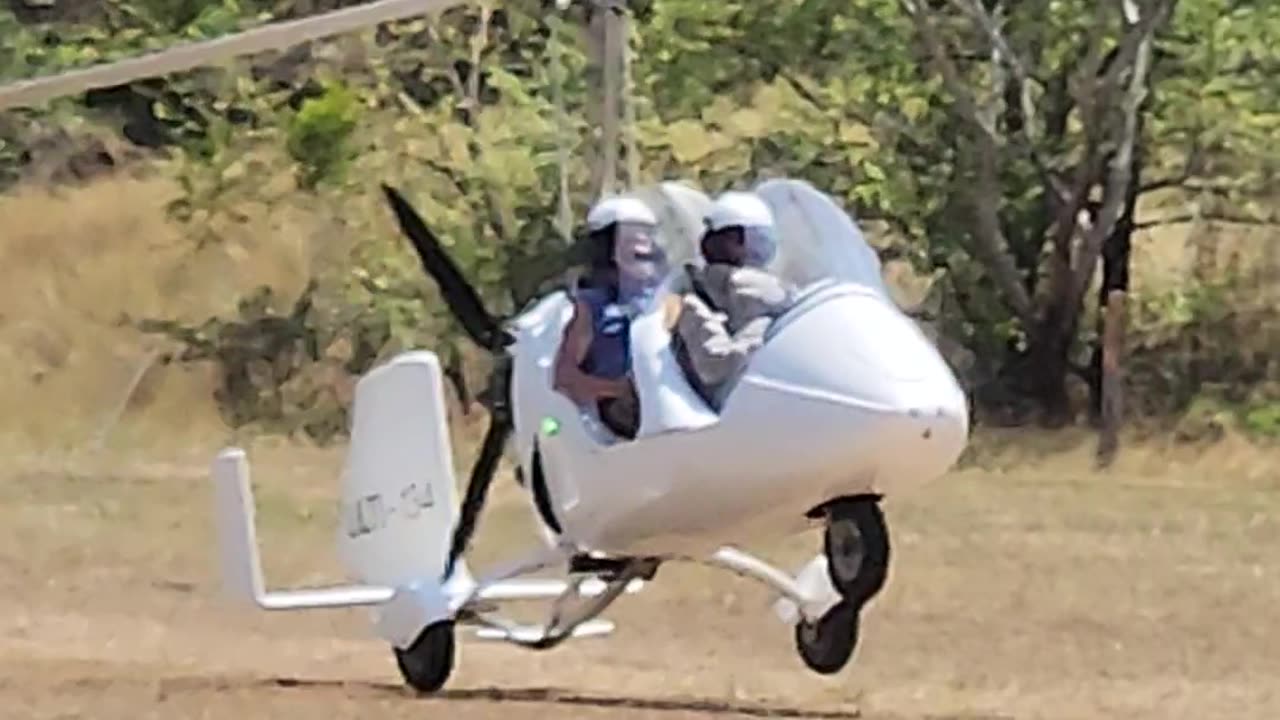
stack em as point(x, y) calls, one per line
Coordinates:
point(1005, 52)
point(1223, 217)
point(1190, 183)
point(984, 196)
point(1084, 89)
point(999, 80)
point(939, 51)
point(1120, 173)
point(1092, 94)
point(811, 96)
point(1189, 170)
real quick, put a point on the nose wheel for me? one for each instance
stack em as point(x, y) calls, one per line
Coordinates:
point(856, 545)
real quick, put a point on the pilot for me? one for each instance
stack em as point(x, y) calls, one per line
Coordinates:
point(624, 267)
point(734, 299)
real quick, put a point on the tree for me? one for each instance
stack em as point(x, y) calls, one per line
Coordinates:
point(1001, 146)
point(1005, 143)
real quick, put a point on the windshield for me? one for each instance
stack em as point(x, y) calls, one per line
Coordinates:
point(680, 210)
point(817, 240)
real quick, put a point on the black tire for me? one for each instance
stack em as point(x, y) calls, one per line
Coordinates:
point(827, 645)
point(427, 664)
point(856, 543)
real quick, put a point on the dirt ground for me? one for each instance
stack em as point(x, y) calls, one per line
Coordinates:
point(1042, 593)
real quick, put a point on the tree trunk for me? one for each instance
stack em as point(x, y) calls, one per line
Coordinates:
point(1048, 363)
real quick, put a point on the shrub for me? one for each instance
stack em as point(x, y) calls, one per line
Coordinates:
point(319, 135)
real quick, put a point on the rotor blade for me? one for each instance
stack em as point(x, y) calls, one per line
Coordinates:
point(276, 36)
point(477, 488)
point(461, 297)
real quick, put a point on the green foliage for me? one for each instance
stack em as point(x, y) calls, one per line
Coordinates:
point(319, 136)
point(1207, 418)
point(289, 373)
point(1218, 110)
point(1264, 420)
point(456, 109)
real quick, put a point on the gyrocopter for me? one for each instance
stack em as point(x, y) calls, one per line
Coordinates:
point(847, 402)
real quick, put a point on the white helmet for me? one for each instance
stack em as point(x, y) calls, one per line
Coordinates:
point(749, 212)
point(618, 209)
point(737, 208)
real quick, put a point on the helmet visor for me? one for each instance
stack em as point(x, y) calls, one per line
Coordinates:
point(641, 260)
point(760, 245)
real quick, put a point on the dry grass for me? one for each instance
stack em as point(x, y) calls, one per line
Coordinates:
point(72, 265)
point(1167, 255)
point(1042, 591)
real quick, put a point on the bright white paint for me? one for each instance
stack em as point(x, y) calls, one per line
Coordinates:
point(848, 396)
point(398, 486)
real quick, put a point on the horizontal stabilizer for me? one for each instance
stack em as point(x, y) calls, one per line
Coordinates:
point(545, 589)
point(242, 564)
point(241, 561)
point(339, 596)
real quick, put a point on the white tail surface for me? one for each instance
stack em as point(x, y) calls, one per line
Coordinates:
point(237, 536)
point(398, 491)
point(240, 559)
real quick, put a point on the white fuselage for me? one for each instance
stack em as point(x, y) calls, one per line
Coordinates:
point(846, 397)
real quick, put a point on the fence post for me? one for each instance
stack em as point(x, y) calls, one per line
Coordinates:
point(1113, 333)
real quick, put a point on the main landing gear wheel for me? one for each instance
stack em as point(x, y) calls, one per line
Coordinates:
point(427, 664)
point(827, 644)
point(856, 543)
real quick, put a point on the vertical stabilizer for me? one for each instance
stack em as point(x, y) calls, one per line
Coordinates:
point(398, 492)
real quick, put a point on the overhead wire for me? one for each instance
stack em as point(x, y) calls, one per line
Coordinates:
point(274, 36)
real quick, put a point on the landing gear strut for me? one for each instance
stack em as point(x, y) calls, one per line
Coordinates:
point(856, 545)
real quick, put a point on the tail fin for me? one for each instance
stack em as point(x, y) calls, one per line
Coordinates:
point(398, 502)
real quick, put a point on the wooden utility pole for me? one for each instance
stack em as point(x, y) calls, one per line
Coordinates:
point(1113, 332)
point(608, 43)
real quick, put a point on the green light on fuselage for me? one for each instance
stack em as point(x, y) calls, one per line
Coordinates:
point(550, 426)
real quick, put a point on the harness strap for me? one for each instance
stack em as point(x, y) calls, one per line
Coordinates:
point(699, 288)
point(681, 350)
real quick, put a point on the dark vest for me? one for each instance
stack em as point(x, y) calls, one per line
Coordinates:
point(609, 354)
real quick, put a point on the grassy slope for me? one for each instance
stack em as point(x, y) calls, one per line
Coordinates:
point(71, 264)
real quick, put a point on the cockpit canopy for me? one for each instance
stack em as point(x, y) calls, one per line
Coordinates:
point(819, 243)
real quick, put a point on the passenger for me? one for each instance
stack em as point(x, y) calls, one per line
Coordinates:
point(734, 299)
point(624, 266)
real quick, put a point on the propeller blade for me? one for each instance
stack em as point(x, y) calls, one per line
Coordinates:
point(463, 300)
point(477, 488)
